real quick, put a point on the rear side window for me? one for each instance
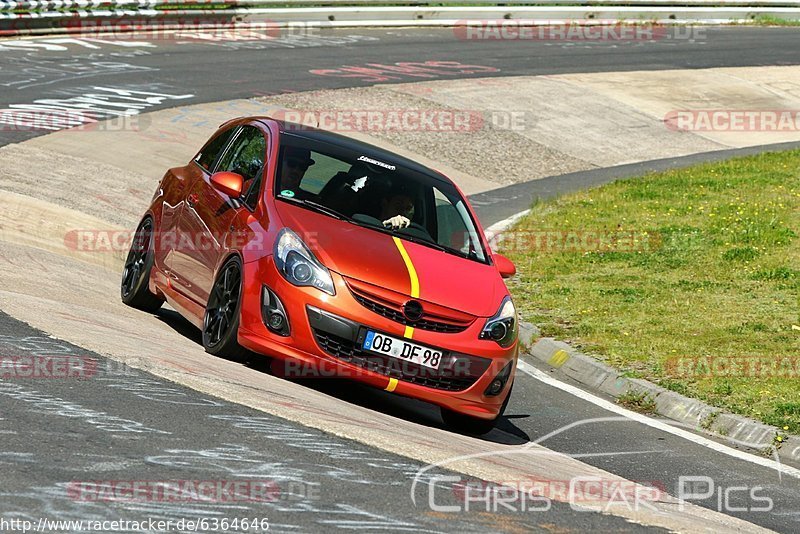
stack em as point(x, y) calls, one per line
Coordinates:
point(211, 151)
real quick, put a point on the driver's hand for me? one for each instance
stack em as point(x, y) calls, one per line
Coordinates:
point(398, 221)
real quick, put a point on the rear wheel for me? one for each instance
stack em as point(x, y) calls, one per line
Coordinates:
point(221, 320)
point(134, 288)
point(466, 424)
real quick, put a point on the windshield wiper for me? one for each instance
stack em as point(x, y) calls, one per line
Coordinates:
point(421, 241)
point(432, 244)
point(414, 239)
point(321, 208)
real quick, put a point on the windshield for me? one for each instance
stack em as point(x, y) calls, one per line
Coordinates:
point(377, 194)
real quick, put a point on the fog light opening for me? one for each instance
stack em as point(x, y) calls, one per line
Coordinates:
point(497, 385)
point(276, 320)
point(273, 313)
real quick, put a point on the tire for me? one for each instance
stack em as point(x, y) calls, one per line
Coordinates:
point(134, 288)
point(465, 424)
point(221, 320)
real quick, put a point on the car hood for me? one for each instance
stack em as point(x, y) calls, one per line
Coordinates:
point(374, 257)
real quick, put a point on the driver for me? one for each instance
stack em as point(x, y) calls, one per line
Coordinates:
point(295, 163)
point(397, 208)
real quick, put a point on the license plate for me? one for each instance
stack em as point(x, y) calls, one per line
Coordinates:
point(402, 350)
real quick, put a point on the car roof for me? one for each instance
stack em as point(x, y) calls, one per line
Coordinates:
point(310, 133)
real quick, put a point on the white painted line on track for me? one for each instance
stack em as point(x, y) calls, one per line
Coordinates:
point(502, 226)
point(536, 374)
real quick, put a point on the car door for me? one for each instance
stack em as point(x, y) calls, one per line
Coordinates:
point(208, 215)
point(175, 187)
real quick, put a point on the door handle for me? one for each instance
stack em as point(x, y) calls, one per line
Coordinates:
point(192, 199)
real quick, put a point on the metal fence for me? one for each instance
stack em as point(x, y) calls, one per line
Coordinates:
point(49, 5)
point(71, 16)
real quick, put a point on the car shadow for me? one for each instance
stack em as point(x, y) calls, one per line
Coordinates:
point(177, 322)
point(506, 432)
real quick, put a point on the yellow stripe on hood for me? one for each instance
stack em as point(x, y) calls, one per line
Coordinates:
point(412, 274)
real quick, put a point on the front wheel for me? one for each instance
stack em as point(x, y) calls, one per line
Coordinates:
point(466, 424)
point(221, 320)
point(134, 288)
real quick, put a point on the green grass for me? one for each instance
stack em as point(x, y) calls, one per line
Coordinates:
point(768, 20)
point(637, 401)
point(715, 275)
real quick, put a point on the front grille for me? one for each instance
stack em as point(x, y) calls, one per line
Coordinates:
point(397, 316)
point(454, 378)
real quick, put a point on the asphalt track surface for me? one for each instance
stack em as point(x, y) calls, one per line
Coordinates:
point(43, 450)
point(126, 425)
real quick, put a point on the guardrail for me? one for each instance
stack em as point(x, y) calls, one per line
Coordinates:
point(30, 5)
point(71, 16)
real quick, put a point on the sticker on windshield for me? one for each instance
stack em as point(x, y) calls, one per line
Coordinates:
point(287, 193)
point(359, 183)
point(376, 162)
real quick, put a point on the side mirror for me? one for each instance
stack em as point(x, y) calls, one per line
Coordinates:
point(504, 265)
point(229, 183)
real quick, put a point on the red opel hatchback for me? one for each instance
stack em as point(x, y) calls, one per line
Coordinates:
point(336, 258)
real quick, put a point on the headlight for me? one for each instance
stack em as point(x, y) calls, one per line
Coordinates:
point(298, 265)
point(502, 328)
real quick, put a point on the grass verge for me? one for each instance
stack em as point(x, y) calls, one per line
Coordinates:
point(767, 20)
point(689, 278)
point(638, 402)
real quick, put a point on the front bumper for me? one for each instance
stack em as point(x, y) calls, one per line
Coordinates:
point(325, 341)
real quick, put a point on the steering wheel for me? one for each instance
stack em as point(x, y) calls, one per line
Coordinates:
point(416, 230)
